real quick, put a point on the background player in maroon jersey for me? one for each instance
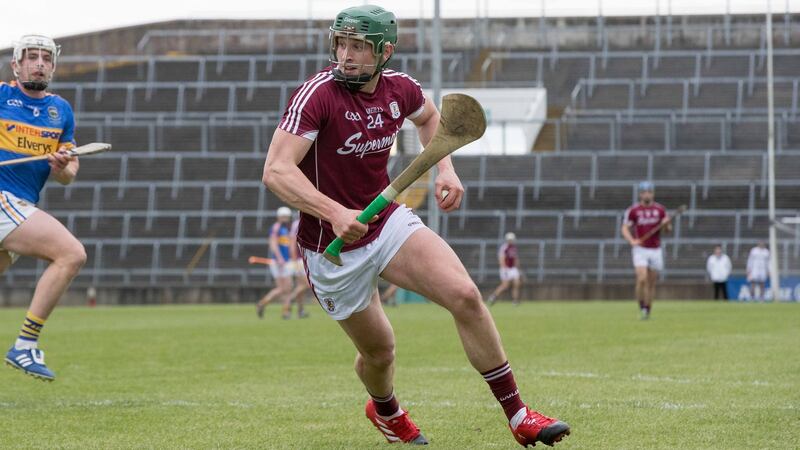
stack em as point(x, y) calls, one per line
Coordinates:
point(328, 158)
point(648, 258)
point(509, 269)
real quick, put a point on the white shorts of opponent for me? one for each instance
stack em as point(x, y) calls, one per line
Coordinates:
point(343, 291)
point(281, 270)
point(509, 273)
point(758, 275)
point(652, 258)
point(14, 212)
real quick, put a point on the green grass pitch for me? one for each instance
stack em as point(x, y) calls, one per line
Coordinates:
point(698, 375)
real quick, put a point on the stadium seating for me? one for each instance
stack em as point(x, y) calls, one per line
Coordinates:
point(190, 132)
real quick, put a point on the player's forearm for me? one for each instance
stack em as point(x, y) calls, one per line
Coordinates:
point(445, 164)
point(289, 183)
point(427, 129)
point(626, 233)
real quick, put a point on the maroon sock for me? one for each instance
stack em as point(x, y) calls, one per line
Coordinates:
point(504, 388)
point(386, 406)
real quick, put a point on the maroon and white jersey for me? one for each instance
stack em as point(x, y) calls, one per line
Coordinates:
point(509, 254)
point(352, 133)
point(643, 218)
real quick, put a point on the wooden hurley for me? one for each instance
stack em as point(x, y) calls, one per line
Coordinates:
point(681, 209)
point(462, 121)
point(83, 150)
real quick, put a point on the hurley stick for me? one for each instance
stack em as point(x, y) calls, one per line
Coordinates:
point(681, 209)
point(88, 149)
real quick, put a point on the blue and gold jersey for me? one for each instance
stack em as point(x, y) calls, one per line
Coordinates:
point(281, 232)
point(30, 127)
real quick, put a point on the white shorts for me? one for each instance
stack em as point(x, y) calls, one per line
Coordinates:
point(281, 271)
point(652, 258)
point(509, 273)
point(297, 268)
point(343, 291)
point(14, 212)
point(758, 276)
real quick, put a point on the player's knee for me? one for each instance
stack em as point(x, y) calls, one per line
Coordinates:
point(74, 258)
point(466, 300)
point(381, 357)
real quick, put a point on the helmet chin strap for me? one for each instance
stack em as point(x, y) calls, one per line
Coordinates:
point(353, 83)
point(34, 85)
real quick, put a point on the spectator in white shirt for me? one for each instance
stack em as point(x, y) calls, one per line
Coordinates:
point(718, 267)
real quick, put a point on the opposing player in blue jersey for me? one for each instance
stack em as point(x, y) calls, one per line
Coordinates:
point(281, 267)
point(34, 122)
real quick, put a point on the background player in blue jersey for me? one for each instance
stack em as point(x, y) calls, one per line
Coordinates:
point(34, 122)
point(282, 267)
point(300, 279)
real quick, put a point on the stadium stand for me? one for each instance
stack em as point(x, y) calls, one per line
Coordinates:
point(191, 110)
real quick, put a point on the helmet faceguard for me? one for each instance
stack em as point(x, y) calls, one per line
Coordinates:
point(646, 186)
point(646, 191)
point(371, 24)
point(42, 44)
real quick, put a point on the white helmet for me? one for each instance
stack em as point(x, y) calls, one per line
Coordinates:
point(31, 41)
point(284, 212)
point(511, 236)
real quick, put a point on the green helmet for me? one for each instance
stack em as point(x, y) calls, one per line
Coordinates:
point(371, 23)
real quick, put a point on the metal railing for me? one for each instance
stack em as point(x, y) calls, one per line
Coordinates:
point(526, 191)
point(620, 132)
point(648, 60)
point(606, 264)
point(689, 87)
point(587, 260)
point(148, 65)
point(315, 38)
point(591, 177)
point(659, 32)
point(697, 190)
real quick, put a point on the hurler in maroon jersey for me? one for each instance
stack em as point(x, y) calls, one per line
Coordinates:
point(648, 259)
point(328, 158)
point(508, 259)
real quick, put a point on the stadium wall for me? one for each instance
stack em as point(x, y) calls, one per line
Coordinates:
point(562, 291)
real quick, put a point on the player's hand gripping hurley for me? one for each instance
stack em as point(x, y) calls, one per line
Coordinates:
point(681, 209)
point(461, 121)
point(88, 149)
